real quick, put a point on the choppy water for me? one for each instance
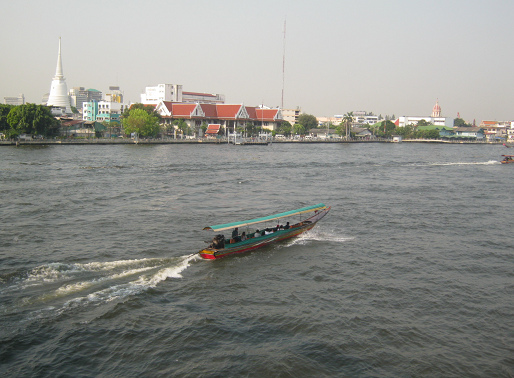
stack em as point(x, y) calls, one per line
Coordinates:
point(410, 275)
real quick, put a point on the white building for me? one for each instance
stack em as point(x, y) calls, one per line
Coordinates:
point(363, 118)
point(434, 119)
point(20, 100)
point(174, 93)
point(162, 92)
point(58, 97)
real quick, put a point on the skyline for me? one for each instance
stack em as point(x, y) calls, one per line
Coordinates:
point(387, 58)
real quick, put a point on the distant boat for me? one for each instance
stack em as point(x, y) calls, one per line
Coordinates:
point(507, 159)
point(221, 247)
point(508, 145)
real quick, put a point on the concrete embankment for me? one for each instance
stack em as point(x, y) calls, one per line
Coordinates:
point(86, 142)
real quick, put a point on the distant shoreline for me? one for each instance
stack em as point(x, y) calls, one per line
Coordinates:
point(89, 142)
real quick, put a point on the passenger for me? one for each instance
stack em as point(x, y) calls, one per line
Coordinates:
point(257, 234)
point(243, 236)
point(286, 227)
point(235, 233)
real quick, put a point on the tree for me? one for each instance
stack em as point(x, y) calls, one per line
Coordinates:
point(4, 111)
point(298, 129)
point(32, 119)
point(284, 128)
point(347, 121)
point(308, 121)
point(141, 122)
point(182, 125)
point(423, 122)
point(459, 122)
point(385, 129)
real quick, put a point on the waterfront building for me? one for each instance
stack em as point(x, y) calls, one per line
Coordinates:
point(229, 116)
point(495, 130)
point(20, 100)
point(174, 93)
point(58, 98)
point(469, 132)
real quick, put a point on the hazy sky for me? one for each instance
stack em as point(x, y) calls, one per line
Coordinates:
point(384, 56)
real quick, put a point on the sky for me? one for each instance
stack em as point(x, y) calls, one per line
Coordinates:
point(389, 57)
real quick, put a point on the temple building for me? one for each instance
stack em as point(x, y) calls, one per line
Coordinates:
point(434, 119)
point(58, 98)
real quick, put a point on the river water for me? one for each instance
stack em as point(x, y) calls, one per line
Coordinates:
point(410, 275)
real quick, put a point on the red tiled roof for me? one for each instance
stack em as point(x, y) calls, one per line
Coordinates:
point(251, 112)
point(183, 110)
point(227, 111)
point(266, 114)
point(209, 110)
point(213, 128)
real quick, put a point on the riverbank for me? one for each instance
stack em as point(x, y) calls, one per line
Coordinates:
point(117, 141)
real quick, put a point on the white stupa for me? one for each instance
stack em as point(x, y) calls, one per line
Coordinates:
point(58, 97)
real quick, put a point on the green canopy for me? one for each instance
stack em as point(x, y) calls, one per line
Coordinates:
point(226, 226)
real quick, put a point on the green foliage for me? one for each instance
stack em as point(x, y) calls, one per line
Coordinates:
point(308, 121)
point(141, 122)
point(385, 129)
point(346, 123)
point(4, 111)
point(423, 122)
point(459, 122)
point(298, 129)
point(182, 125)
point(284, 128)
point(32, 119)
point(251, 129)
point(150, 109)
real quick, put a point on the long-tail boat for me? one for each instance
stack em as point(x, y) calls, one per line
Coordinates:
point(507, 159)
point(221, 246)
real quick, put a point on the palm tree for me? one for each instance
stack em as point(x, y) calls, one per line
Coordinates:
point(347, 120)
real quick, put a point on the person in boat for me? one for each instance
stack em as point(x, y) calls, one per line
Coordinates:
point(286, 227)
point(235, 233)
point(257, 234)
point(243, 236)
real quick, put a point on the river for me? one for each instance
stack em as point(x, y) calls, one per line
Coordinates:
point(410, 275)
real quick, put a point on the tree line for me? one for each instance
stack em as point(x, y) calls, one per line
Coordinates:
point(27, 119)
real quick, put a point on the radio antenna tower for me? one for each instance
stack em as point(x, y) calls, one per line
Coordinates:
point(283, 64)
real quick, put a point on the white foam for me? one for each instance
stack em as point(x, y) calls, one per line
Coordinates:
point(490, 162)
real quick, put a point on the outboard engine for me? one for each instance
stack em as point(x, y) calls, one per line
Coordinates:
point(218, 241)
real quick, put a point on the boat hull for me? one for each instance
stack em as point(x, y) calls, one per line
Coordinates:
point(261, 241)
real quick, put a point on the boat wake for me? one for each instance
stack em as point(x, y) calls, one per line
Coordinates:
point(319, 234)
point(490, 162)
point(60, 286)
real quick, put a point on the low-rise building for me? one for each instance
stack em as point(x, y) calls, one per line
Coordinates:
point(469, 132)
point(20, 100)
point(230, 117)
point(103, 111)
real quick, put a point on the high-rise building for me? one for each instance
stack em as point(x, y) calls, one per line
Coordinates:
point(58, 97)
